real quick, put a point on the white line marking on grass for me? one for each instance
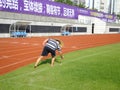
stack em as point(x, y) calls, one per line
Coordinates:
point(30, 84)
point(25, 73)
point(33, 85)
point(94, 54)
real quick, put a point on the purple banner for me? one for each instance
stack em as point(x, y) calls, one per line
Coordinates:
point(103, 16)
point(48, 8)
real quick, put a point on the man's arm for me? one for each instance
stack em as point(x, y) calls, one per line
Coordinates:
point(45, 41)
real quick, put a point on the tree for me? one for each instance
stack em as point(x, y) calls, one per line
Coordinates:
point(118, 16)
point(61, 1)
point(69, 2)
point(81, 5)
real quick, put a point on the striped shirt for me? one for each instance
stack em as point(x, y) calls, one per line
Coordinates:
point(53, 44)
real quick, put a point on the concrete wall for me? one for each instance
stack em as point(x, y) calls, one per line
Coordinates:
point(26, 17)
point(100, 26)
point(109, 25)
point(9, 18)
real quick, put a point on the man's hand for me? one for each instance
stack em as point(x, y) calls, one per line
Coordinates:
point(62, 57)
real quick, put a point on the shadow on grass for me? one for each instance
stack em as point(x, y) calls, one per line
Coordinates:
point(48, 61)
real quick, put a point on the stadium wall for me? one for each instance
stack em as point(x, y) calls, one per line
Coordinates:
point(7, 18)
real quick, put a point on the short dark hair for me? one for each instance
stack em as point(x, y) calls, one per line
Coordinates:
point(58, 41)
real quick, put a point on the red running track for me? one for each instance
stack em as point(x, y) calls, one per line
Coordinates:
point(18, 52)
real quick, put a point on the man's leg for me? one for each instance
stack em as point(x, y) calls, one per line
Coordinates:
point(52, 62)
point(38, 60)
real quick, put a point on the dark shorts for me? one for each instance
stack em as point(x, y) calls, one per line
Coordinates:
point(47, 50)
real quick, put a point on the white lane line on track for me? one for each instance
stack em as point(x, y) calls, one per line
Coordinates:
point(28, 53)
point(43, 69)
point(23, 43)
point(23, 48)
point(18, 62)
point(16, 47)
point(14, 42)
point(1, 57)
point(35, 44)
point(21, 54)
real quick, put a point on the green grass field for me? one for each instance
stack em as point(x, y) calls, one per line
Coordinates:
point(89, 69)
